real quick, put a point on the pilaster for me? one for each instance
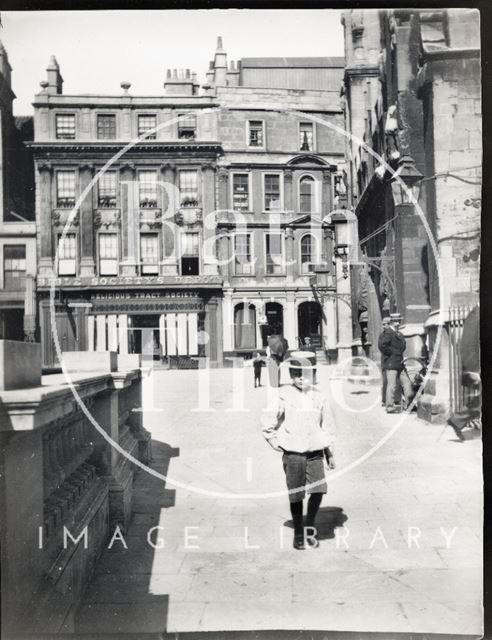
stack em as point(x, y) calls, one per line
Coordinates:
point(129, 219)
point(45, 228)
point(86, 215)
point(169, 264)
point(208, 219)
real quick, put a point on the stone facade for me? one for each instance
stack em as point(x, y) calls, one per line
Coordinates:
point(205, 150)
point(412, 89)
point(17, 226)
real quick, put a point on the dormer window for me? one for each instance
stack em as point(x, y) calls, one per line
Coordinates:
point(186, 127)
point(65, 126)
point(306, 138)
point(256, 133)
point(147, 123)
point(106, 127)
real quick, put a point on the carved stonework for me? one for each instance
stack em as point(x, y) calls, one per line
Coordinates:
point(190, 217)
point(128, 166)
point(223, 175)
point(60, 218)
point(45, 166)
point(151, 219)
point(288, 175)
point(87, 166)
point(107, 219)
point(167, 166)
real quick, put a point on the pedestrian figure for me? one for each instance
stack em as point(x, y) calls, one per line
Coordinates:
point(384, 379)
point(392, 345)
point(276, 351)
point(470, 377)
point(299, 424)
point(258, 363)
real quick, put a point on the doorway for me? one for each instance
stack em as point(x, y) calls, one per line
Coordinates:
point(146, 342)
point(309, 324)
point(274, 313)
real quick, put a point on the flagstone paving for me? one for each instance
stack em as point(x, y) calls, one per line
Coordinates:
point(400, 531)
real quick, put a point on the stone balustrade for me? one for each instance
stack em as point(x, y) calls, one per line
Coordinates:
point(64, 487)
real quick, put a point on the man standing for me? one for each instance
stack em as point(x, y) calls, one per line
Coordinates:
point(276, 351)
point(385, 327)
point(392, 346)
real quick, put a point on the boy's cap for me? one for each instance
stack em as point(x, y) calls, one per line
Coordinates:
point(385, 321)
point(292, 363)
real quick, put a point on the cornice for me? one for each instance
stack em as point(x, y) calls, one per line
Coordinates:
point(141, 147)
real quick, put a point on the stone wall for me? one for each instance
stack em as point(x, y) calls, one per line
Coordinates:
point(63, 489)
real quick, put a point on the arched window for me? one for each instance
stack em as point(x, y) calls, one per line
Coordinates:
point(308, 252)
point(307, 194)
point(245, 326)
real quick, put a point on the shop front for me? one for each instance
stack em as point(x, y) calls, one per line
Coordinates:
point(166, 324)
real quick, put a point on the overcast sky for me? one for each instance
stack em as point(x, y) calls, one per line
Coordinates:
point(96, 50)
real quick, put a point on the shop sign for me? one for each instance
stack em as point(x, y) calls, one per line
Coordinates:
point(130, 281)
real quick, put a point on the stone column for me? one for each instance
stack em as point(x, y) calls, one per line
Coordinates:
point(209, 227)
point(226, 268)
point(228, 320)
point(326, 193)
point(86, 216)
point(344, 313)
point(291, 271)
point(290, 320)
point(288, 191)
point(329, 321)
point(30, 310)
point(45, 225)
point(211, 350)
point(169, 264)
point(223, 181)
point(129, 220)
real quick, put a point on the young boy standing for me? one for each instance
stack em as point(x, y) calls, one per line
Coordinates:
point(300, 425)
point(257, 365)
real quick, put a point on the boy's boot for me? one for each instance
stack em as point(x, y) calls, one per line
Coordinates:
point(311, 531)
point(296, 511)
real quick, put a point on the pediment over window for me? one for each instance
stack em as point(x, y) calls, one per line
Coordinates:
point(308, 160)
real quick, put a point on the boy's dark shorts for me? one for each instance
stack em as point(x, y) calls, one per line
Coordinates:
point(302, 469)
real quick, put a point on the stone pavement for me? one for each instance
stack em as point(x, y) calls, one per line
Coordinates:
point(383, 564)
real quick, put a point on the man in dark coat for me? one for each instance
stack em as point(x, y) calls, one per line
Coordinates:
point(276, 350)
point(392, 346)
point(470, 377)
point(384, 382)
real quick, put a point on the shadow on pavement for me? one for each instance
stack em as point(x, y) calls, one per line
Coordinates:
point(128, 592)
point(327, 520)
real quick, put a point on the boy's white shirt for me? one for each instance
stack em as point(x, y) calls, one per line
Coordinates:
point(299, 421)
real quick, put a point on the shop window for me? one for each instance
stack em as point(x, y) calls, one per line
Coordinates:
point(147, 189)
point(65, 126)
point(14, 267)
point(106, 127)
point(188, 188)
point(272, 194)
point(273, 250)
point(240, 192)
point(67, 255)
point(190, 254)
point(65, 189)
point(108, 254)
point(149, 253)
point(243, 264)
point(256, 133)
point(106, 185)
point(147, 123)
point(186, 127)
point(306, 136)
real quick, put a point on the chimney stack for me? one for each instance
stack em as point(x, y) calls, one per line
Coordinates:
point(179, 83)
point(55, 80)
point(220, 65)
